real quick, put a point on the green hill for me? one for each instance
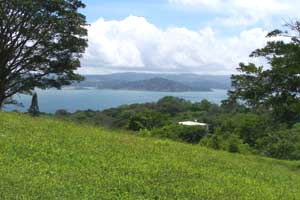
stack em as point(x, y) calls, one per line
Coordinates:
point(154, 84)
point(48, 159)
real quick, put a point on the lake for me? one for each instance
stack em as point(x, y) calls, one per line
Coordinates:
point(72, 99)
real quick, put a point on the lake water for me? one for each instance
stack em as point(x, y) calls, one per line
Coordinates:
point(72, 99)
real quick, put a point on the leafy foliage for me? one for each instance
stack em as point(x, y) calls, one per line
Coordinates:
point(41, 42)
point(172, 105)
point(275, 89)
point(190, 134)
point(232, 127)
point(227, 142)
point(146, 120)
point(249, 126)
point(282, 144)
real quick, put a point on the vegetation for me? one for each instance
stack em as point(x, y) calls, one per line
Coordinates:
point(275, 89)
point(232, 127)
point(40, 45)
point(34, 107)
point(190, 134)
point(42, 158)
point(264, 122)
point(49, 159)
point(156, 82)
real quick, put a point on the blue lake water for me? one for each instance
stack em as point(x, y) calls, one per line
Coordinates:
point(72, 100)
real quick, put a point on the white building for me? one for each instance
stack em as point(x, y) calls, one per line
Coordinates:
point(191, 123)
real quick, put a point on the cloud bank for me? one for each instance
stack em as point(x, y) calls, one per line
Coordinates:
point(244, 12)
point(134, 44)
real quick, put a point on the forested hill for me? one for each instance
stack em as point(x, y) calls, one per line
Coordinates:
point(154, 84)
point(148, 81)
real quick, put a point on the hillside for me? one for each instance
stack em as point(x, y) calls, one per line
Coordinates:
point(49, 159)
point(153, 84)
point(186, 82)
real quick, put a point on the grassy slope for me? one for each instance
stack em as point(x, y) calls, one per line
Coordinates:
point(47, 159)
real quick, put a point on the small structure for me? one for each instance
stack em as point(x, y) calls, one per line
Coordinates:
point(194, 123)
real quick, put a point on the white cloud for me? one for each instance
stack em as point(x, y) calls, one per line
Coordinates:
point(244, 12)
point(134, 44)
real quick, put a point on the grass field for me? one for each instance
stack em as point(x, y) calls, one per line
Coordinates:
point(48, 159)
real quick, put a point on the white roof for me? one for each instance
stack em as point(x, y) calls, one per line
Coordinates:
point(190, 123)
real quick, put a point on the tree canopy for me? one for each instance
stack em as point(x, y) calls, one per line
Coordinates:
point(41, 42)
point(276, 89)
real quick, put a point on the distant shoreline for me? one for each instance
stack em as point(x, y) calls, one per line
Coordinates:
point(128, 89)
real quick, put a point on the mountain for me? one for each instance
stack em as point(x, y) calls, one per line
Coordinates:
point(191, 82)
point(153, 84)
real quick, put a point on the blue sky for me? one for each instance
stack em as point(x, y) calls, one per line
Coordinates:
point(159, 12)
point(197, 36)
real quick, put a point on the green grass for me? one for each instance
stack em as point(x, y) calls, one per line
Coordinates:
point(48, 159)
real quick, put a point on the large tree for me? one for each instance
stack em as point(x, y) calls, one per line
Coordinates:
point(275, 88)
point(41, 42)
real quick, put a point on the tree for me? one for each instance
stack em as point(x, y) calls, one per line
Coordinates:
point(41, 42)
point(173, 105)
point(147, 119)
point(34, 107)
point(276, 89)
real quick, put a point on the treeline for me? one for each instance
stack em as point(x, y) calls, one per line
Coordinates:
point(232, 127)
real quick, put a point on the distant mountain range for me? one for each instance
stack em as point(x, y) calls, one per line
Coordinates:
point(153, 84)
point(156, 82)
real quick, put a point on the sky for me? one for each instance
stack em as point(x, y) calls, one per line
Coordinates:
point(179, 36)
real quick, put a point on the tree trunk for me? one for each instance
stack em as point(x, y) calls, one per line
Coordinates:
point(2, 95)
point(1, 105)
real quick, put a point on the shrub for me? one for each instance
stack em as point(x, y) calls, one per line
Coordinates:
point(248, 126)
point(145, 133)
point(234, 144)
point(225, 141)
point(146, 120)
point(282, 144)
point(62, 112)
point(190, 134)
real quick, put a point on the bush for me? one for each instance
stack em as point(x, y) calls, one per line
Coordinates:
point(146, 120)
point(248, 126)
point(145, 133)
point(234, 144)
point(62, 112)
point(190, 134)
point(282, 144)
point(225, 141)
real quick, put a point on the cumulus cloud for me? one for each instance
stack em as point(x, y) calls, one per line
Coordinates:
point(244, 12)
point(134, 44)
